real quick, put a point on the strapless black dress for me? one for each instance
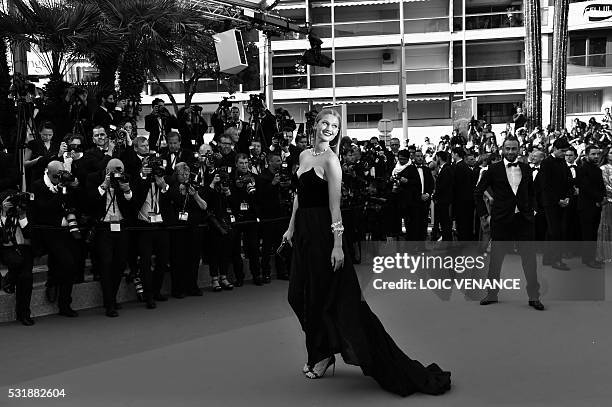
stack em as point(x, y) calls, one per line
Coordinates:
point(331, 310)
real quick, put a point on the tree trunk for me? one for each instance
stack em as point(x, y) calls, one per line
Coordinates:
point(7, 118)
point(559, 66)
point(533, 63)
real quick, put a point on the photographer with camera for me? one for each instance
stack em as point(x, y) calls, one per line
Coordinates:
point(154, 214)
point(257, 158)
point(262, 120)
point(111, 203)
point(272, 189)
point(158, 124)
point(221, 116)
point(243, 131)
point(103, 115)
point(224, 155)
point(53, 210)
point(41, 151)
point(191, 126)
point(16, 251)
point(284, 121)
point(96, 158)
point(242, 203)
point(186, 242)
point(175, 154)
point(217, 247)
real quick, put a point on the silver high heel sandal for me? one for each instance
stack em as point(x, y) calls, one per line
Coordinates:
point(320, 368)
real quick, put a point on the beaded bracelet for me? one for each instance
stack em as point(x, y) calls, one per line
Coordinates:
point(337, 228)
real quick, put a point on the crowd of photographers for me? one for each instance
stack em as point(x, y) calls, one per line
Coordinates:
point(144, 207)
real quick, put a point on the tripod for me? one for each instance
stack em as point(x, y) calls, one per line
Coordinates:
point(25, 115)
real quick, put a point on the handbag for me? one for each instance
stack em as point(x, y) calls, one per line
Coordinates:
point(284, 251)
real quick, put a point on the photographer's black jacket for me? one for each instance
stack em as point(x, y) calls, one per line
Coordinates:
point(556, 180)
point(141, 187)
point(185, 156)
point(187, 203)
point(240, 195)
point(48, 208)
point(267, 196)
point(96, 203)
point(9, 174)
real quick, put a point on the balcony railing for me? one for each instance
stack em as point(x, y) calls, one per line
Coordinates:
point(488, 21)
point(358, 28)
point(490, 73)
point(289, 82)
point(592, 63)
point(380, 78)
point(425, 25)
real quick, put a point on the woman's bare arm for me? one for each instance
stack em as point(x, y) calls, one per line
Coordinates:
point(334, 183)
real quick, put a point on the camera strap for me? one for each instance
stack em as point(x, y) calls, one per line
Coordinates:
point(154, 198)
point(113, 196)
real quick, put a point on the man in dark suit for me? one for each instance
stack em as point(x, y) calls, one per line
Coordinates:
point(243, 128)
point(420, 189)
point(591, 197)
point(540, 218)
point(112, 207)
point(571, 224)
point(443, 195)
point(511, 218)
point(463, 196)
point(158, 124)
point(103, 115)
point(154, 213)
point(174, 154)
point(556, 190)
point(133, 158)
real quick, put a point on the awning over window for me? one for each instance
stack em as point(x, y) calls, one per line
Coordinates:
point(381, 100)
point(360, 3)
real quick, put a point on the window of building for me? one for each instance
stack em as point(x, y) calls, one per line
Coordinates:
point(584, 101)
point(496, 113)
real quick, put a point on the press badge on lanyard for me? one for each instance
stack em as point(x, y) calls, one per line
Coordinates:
point(231, 216)
point(115, 226)
point(244, 206)
point(155, 217)
point(184, 216)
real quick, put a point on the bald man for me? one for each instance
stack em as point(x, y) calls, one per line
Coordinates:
point(112, 206)
point(50, 199)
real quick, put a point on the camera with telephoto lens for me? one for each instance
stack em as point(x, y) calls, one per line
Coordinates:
point(73, 224)
point(284, 172)
point(116, 134)
point(20, 200)
point(65, 177)
point(139, 288)
point(75, 148)
point(224, 176)
point(279, 138)
point(117, 178)
point(256, 104)
point(246, 182)
point(225, 103)
point(156, 164)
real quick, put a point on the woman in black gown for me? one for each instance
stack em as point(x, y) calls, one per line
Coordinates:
point(324, 291)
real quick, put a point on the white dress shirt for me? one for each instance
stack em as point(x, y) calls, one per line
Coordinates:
point(514, 178)
point(420, 171)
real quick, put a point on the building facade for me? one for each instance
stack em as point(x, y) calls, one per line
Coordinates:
point(368, 50)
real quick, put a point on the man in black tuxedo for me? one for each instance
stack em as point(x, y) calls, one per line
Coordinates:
point(420, 189)
point(571, 224)
point(174, 154)
point(591, 197)
point(540, 218)
point(443, 195)
point(112, 207)
point(463, 196)
point(511, 218)
point(103, 115)
point(556, 191)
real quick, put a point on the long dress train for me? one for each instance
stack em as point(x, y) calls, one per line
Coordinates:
point(333, 313)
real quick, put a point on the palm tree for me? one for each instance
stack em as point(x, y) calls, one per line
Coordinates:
point(158, 36)
point(559, 65)
point(59, 33)
point(6, 110)
point(533, 63)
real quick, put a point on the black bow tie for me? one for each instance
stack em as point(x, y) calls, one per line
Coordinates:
point(514, 164)
point(573, 166)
